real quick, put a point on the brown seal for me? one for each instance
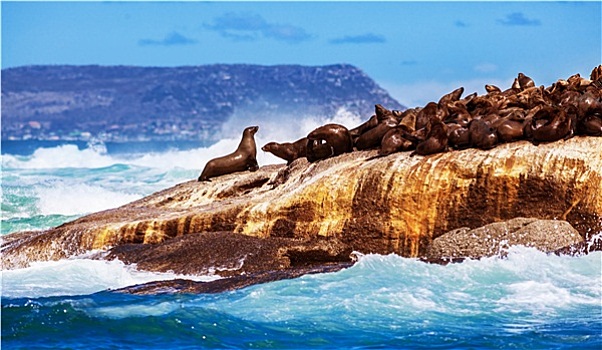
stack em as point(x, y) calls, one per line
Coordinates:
point(552, 124)
point(381, 115)
point(328, 141)
point(591, 124)
point(244, 158)
point(458, 136)
point(288, 151)
point(436, 139)
point(509, 129)
point(447, 100)
point(373, 137)
point(492, 89)
point(525, 82)
point(365, 126)
point(481, 134)
point(427, 113)
point(596, 76)
point(394, 141)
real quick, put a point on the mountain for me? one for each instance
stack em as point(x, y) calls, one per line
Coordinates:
point(179, 103)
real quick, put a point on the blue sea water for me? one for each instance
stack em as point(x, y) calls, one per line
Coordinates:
point(528, 300)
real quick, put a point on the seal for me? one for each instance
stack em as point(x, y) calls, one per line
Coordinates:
point(458, 136)
point(287, 150)
point(435, 141)
point(482, 135)
point(373, 137)
point(382, 113)
point(509, 129)
point(425, 114)
point(552, 124)
point(328, 141)
point(244, 158)
point(525, 82)
point(492, 89)
point(591, 124)
point(449, 99)
point(596, 76)
point(365, 126)
point(394, 141)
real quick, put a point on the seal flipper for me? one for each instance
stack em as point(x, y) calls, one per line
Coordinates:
point(252, 165)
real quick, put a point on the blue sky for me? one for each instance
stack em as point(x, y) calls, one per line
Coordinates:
point(416, 50)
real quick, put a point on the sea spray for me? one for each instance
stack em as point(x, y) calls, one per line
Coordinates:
point(79, 276)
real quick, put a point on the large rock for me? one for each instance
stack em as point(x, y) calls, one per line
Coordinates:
point(394, 204)
point(494, 239)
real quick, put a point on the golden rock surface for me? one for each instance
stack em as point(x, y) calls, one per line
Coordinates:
point(394, 204)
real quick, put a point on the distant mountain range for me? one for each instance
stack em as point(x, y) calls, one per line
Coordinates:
point(124, 103)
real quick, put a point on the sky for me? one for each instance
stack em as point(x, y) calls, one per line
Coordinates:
point(417, 51)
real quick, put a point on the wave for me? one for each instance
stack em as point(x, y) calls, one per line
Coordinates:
point(78, 277)
point(279, 129)
point(528, 300)
point(527, 283)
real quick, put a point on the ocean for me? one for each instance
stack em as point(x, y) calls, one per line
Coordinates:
point(528, 300)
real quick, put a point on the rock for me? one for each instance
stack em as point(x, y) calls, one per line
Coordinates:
point(356, 201)
point(226, 284)
point(228, 254)
point(494, 239)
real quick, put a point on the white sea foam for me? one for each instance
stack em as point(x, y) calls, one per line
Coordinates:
point(64, 156)
point(78, 277)
point(74, 199)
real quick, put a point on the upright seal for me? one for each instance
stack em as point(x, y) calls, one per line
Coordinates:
point(244, 158)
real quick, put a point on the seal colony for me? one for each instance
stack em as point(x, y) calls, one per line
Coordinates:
point(522, 112)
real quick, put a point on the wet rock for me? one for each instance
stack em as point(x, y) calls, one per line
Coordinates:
point(229, 254)
point(495, 239)
point(181, 286)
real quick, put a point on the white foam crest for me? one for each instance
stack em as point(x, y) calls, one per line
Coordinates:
point(79, 198)
point(78, 277)
point(536, 297)
point(64, 156)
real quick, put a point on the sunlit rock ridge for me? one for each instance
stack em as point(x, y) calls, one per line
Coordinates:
point(120, 103)
point(353, 202)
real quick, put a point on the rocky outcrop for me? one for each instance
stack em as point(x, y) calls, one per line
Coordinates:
point(356, 201)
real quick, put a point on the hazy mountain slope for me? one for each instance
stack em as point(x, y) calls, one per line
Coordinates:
point(122, 102)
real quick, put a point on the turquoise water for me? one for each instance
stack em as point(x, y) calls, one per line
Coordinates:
point(528, 300)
